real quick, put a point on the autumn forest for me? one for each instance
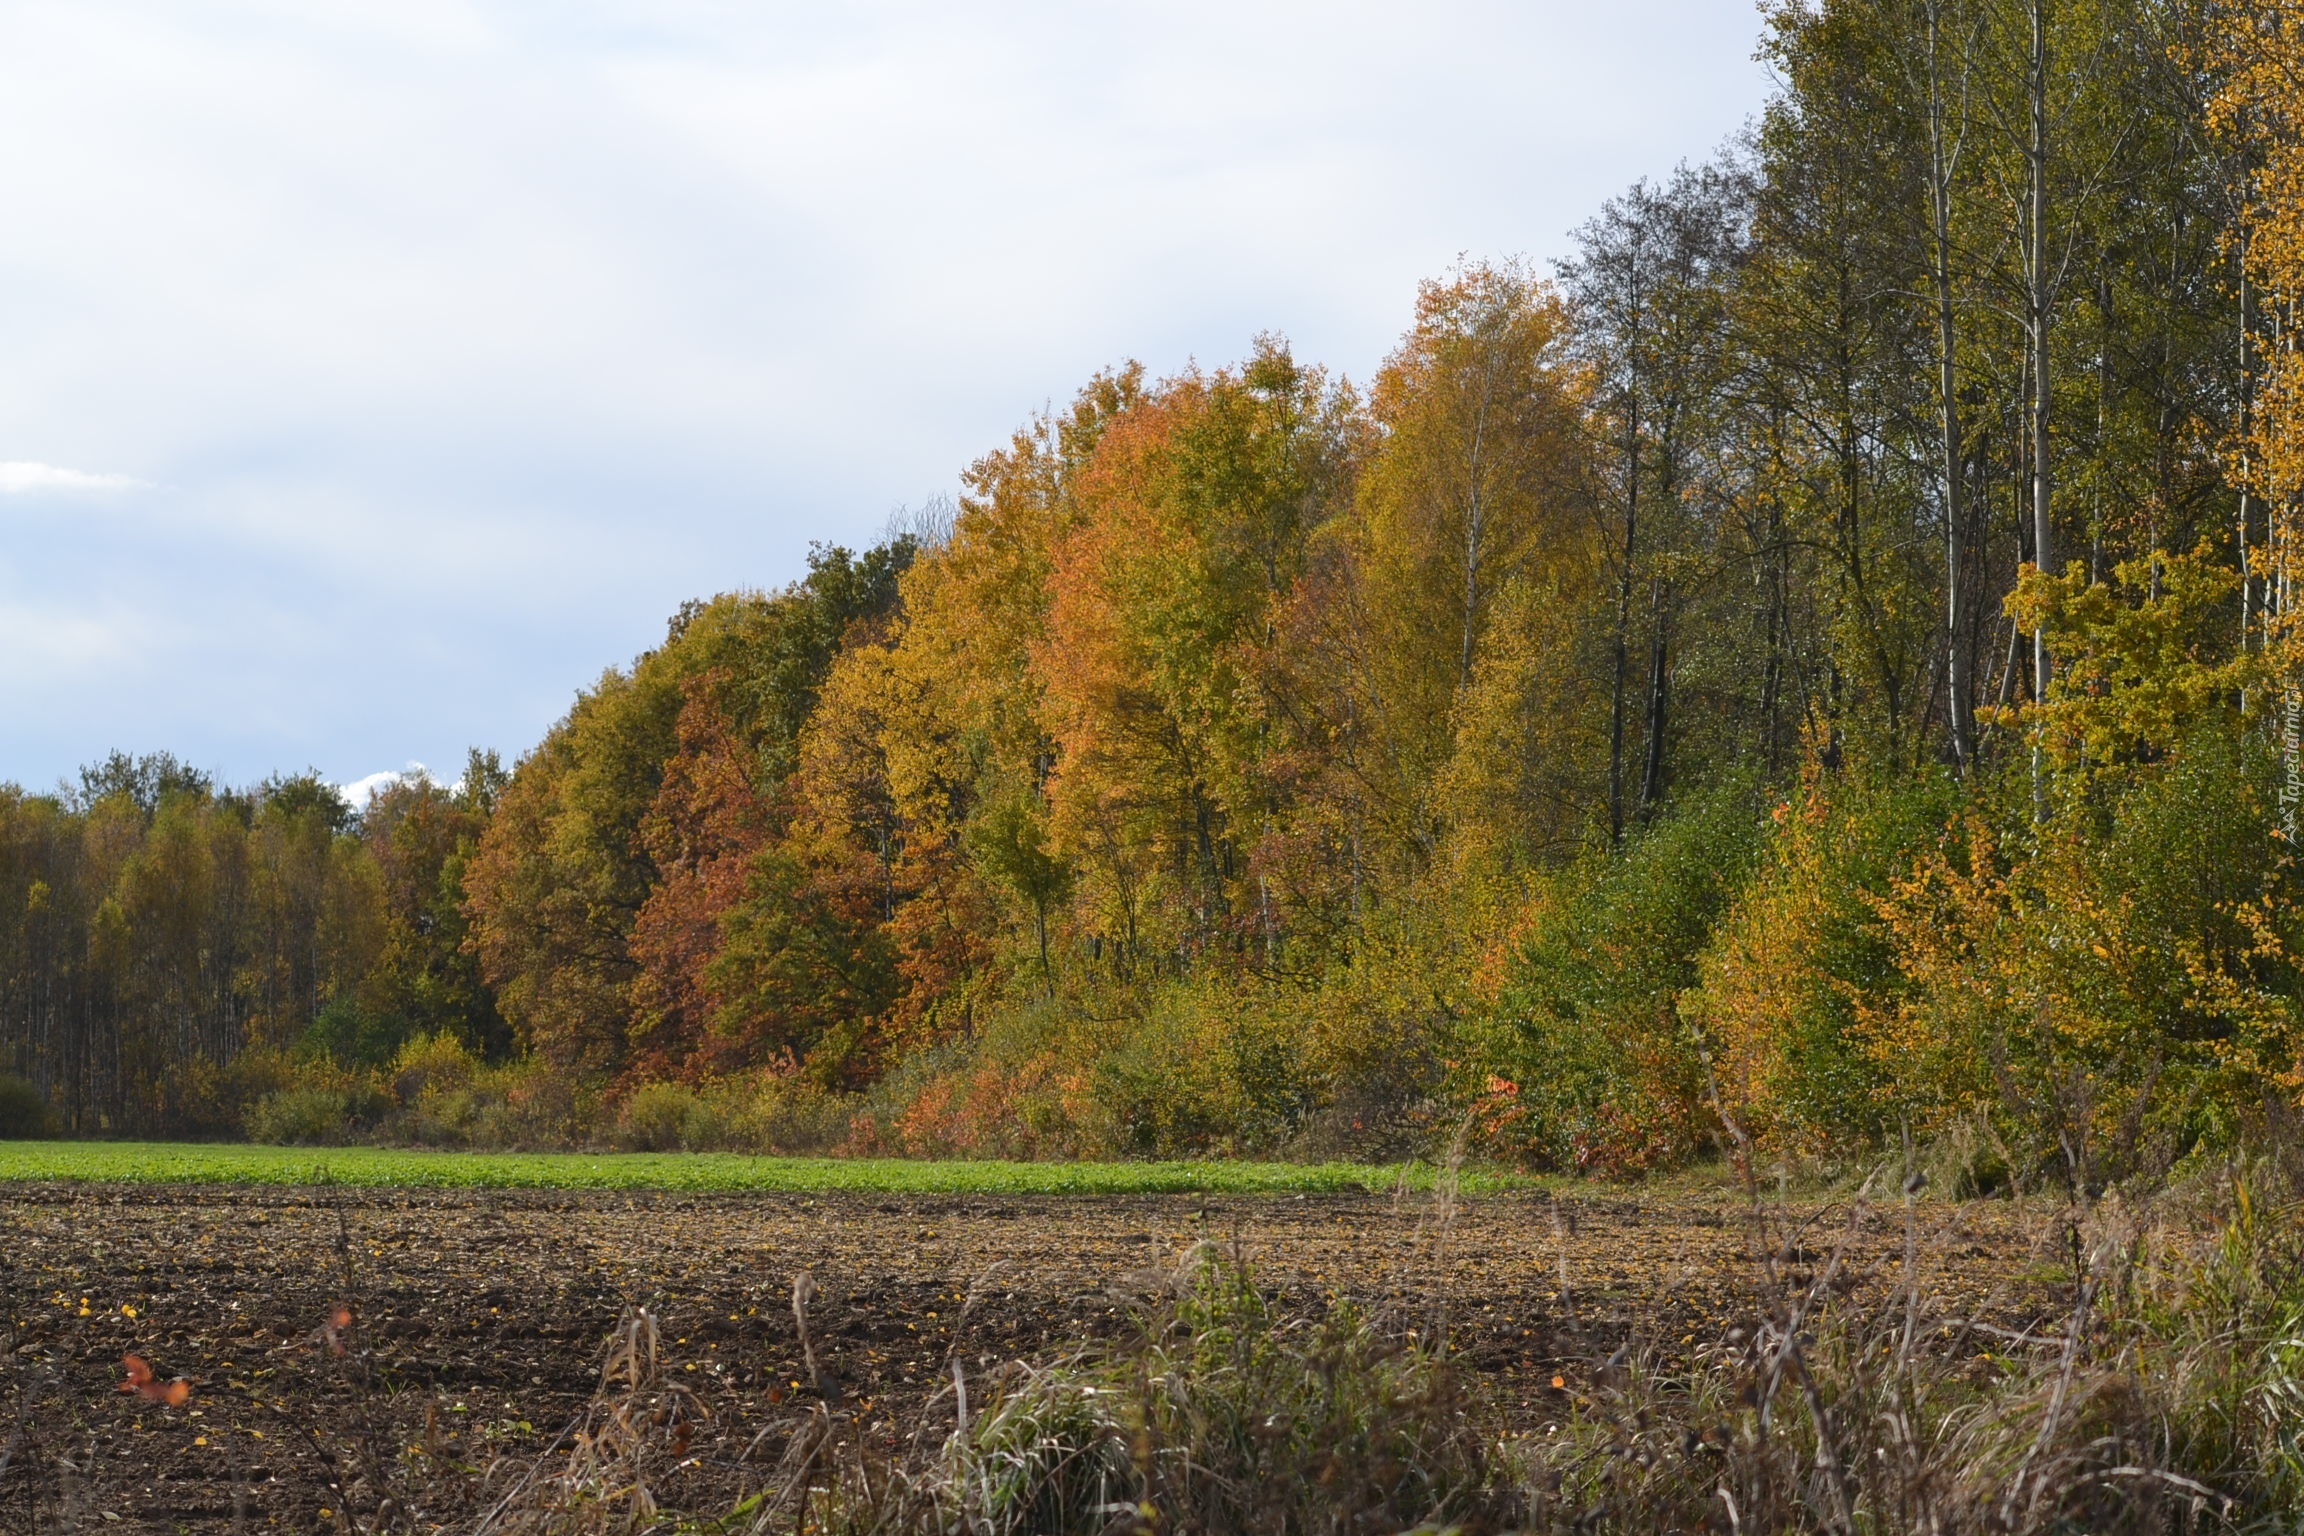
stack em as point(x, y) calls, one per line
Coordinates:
point(1818, 663)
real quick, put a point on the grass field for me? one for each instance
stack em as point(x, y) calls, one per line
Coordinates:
point(182, 1163)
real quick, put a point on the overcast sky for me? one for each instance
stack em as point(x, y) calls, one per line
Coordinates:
point(375, 372)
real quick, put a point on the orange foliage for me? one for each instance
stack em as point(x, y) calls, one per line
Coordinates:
point(1023, 1109)
point(144, 1384)
point(1765, 971)
point(709, 820)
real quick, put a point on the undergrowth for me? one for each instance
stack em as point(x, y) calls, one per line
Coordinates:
point(2166, 1396)
point(2149, 1379)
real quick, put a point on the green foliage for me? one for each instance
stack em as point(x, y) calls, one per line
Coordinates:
point(305, 797)
point(1786, 984)
point(317, 1103)
point(1008, 837)
point(302, 1117)
point(1594, 1068)
point(183, 1163)
point(658, 1118)
point(349, 1035)
point(756, 1113)
point(1207, 1068)
point(421, 836)
point(154, 931)
point(444, 1095)
point(2111, 983)
point(799, 968)
point(143, 782)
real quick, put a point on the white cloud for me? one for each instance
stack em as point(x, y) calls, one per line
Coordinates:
point(29, 477)
point(461, 339)
point(360, 791)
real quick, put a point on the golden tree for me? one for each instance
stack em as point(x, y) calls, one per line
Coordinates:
point(2259, 108)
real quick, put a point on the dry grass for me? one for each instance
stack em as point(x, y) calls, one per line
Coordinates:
point(2162, 1392)
point(2169, 1398)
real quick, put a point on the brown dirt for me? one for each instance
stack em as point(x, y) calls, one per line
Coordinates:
point(482, 1315)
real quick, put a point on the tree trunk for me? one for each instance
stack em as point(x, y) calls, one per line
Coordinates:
point(1659, 686)
point(2037, 306)
point(1944, 152)
point(2036, 265)
point(2247, 426)
point(1623, 646)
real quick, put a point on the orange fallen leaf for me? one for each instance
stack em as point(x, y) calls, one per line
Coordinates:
point(142, 1382)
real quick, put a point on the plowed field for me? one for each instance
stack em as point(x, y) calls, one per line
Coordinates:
point(477, 1317)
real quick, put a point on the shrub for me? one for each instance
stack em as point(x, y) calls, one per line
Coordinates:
point(432, 1067)
point(1803, 958)
point(1212, 1068)
point(24, 1112)
point(307, 1116)
point(1219, 1065)
point(1592, 1068)
point(760, 1113)
point(794, 1114)
point(315, 1102)
point(443, 1095)
point(2110, 986)
point(1019, 1089)
point(658, 1118)
point(531, 1104)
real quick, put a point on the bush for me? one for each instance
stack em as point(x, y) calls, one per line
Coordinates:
point(1591, 1067)
point(1803, 959)
point(1211, 1069)
point(796, 1115)
point(1019, 1089)
point(2112, 985)
point(1221, 1065)
point(658, 1117)
point(24, 1112)
point(444, 1096)
point(314, 1103)
point(431, 1068)
point(308, 1116)
point(785, 1113)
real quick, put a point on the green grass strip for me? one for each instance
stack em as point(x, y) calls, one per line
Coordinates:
point(385, 1167)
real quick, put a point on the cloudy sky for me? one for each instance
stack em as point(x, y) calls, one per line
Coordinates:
point(373, 373)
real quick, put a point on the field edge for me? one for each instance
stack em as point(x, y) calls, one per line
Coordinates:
point(114, 1162)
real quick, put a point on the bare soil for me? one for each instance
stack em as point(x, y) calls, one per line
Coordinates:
point(478, 1317)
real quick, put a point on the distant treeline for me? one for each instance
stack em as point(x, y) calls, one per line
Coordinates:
point(1634, 722)
point(157, 929)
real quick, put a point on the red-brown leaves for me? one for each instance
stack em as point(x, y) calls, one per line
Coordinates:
point(142, 1382)
point(336, 1328)
point(708, 821)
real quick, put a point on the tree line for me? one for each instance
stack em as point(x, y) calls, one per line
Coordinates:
point(1821, 663)
point(164, 936)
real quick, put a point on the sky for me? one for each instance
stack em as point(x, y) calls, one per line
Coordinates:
point(374, 374)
